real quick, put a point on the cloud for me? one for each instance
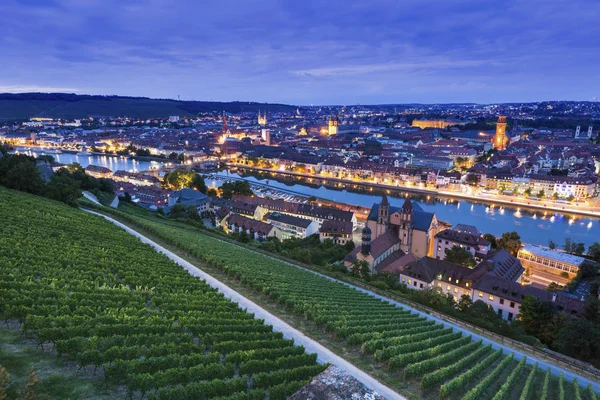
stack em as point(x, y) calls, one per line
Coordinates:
point(303, 52)
point(387, 67)
point(36, 89)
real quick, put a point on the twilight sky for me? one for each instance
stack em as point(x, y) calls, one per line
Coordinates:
point(305, 51)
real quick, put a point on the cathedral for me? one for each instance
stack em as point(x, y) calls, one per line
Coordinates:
point(390, 233)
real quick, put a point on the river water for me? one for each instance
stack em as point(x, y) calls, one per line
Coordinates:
point(533, 226)
point(113, 163)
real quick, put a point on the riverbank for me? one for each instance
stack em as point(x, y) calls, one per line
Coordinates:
point(495, 200)
point(267, 190)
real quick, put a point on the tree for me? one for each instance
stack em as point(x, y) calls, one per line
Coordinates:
point(212, 193)
point(358, 266)
point(492, 239)
point(535, 314)
point(199, 184)
point(461, 256)
point(592, 307)
point(551, 244)
point(573, 247)
point(594, 251)
point(178, 179)
point(510, 241)
point(568, 245)
point(178, 211)
point(229, 189)
point(465, 303)
point(579, 338)
point(192, 213)
point(541, 194)
point(63, 187)
point(472, 179)
point(4, 149)
point(349, 246)
point(20, 172)
point(554, 287)
point(579, 248)
point(527, 192)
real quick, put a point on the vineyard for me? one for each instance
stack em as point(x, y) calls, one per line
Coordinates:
point(440, 362)
point(94, 295)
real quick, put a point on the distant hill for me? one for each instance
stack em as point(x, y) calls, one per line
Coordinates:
point(70, 106)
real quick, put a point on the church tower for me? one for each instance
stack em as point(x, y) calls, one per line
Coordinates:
point(333, 125)
point(383, 216)
point(500, 139)
point(262, 120)
point(365, 247)
point(406, 223)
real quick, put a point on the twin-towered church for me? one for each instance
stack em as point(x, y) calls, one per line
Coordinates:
point(395, 235)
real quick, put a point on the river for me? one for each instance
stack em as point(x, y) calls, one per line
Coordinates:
point(533, 226)
point(113, 163)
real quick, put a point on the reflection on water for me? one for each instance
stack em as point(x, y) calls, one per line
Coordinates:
point(533, 226)
point(113, 163)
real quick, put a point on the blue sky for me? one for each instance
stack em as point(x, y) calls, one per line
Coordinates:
point(305, 52)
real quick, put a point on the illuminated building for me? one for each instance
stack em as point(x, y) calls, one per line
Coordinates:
point(434, 123)
point(262, 119)
point(332, 126)
point(500, 140)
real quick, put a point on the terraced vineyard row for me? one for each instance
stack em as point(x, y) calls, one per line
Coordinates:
point(442, 360)
point(117, 307)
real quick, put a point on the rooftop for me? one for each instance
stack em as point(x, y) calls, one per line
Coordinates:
point(288, 219)
point(553, 254)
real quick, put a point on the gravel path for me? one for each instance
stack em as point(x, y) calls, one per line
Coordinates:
point(91, 197)
point(324, 355)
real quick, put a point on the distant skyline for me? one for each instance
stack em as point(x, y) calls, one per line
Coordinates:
point(308, 52)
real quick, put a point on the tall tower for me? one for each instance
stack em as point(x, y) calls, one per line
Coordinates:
point(262, 120)
point(383, 216)
point(333, 125)
point(405, 229)
point(365, 246)
point(225, 128)
point(590, 131)
point(577, 132)
point(266, 136)
point(500, 139)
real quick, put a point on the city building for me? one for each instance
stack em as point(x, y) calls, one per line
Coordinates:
point(258, 230)
point(432, 162)
point(332, 125)
point(435, 123)
point(505, 296)
point(98, 172)
point(500, 139)
point(547, 265)
point(309, 211)
point(392, 232)
point(474, 244)
point(189, 197)
point(414, 227)
point(291, 226)
point(340, 232)
point(485, 282)
point(262, 119)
